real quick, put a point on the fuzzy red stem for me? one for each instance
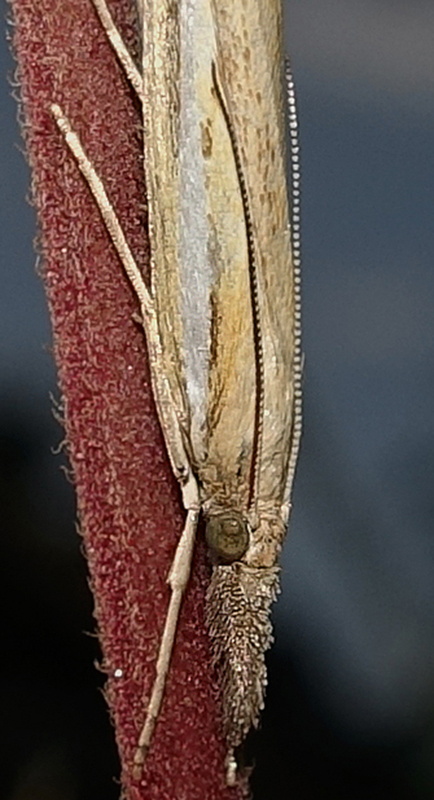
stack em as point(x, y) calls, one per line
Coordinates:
point(129, 503)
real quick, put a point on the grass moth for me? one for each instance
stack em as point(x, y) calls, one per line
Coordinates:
point(221, 315)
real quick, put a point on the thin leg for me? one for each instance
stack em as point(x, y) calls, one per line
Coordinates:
point(231, 768)
point(166, 407)
point(106, 209)
point(178, 580)
point(119, 47)
point(181, 566)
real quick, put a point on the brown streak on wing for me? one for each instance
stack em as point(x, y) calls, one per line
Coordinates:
point(253, 281)
point(249, 63)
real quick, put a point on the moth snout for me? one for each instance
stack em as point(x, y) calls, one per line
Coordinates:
point(227, 536)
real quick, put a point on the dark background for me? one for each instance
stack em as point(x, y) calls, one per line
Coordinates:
point(350, 710)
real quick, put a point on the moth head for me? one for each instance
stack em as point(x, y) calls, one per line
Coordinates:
point(227, 536)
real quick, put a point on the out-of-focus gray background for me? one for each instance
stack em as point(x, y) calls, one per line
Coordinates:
point(350, 711)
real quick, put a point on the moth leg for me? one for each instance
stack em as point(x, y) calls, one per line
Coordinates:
point(106, 209)
point(171, 429)
point(165, 405)
point(180, 570)
point(119, 47)
point(231, 769)
point(178, 579)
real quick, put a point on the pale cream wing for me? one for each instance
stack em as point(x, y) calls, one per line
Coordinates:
point(200, 279)
point(229, 424)
point(200, 262)
point(249, 65)
point(161, 75)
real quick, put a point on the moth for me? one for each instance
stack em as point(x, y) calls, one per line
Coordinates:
point(222, 313)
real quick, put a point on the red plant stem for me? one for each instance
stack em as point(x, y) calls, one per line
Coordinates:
point(128, 500)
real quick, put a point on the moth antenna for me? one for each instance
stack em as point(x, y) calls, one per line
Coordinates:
point(120, 48)
point(294, 146)
point(106, 209)
point(178, 579)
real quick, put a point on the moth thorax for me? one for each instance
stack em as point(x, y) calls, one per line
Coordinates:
point(227, 536)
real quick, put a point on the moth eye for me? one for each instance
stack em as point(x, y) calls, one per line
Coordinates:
point(227, 536)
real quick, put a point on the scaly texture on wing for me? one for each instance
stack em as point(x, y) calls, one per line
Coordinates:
point(223, 285)
point(161, 74)
point(249, 75)
point(250, 66)
point(200, 270)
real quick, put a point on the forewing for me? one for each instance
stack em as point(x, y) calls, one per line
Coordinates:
point(161, 75)
point(249, 61)
point(200, 279)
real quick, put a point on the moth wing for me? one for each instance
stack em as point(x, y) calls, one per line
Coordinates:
point(229, 426)
point(250, 62)
point(200, 281)
point(161, 72)
point(200, 263)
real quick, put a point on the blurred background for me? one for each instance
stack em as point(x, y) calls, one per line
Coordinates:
point(350, 709)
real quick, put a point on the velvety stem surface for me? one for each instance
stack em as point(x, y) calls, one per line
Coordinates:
point(128, 501)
